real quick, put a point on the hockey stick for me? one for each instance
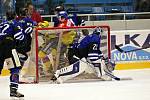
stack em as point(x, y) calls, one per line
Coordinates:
point(108, 73)
point(123, 51)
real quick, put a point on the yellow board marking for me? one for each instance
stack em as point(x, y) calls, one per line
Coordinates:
point(120, 66)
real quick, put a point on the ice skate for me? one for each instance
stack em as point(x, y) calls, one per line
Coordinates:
point(14, 95)
point(55, 80)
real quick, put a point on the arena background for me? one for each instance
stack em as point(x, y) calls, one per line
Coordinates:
point(129, 26)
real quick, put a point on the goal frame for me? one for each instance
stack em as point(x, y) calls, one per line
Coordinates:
point(74, 27)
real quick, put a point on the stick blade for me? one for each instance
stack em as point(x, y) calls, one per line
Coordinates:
point(125, 78)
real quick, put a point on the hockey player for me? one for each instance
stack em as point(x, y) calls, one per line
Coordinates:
point(27, 25)
point(57, 10)
point(88, 51)
point(64, 20)
point(77, 20)
point(10, 33)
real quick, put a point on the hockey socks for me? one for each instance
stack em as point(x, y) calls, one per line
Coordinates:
point(14, 80)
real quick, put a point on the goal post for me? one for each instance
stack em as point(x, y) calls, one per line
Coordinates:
point(50, 47)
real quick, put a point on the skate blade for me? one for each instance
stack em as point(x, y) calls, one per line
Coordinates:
point(16, 98)
point(54, 82)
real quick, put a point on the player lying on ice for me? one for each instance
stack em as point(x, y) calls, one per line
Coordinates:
point(84, 54)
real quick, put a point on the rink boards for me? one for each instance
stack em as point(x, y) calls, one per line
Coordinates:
point(127, 40)
point(131, 40)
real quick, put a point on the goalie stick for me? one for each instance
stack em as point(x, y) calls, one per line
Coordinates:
point(123, 51)
point(108, 73)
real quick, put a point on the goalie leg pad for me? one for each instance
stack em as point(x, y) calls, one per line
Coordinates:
point(108, 68)
point(95, 59)
point(101, 65)
point(98, 68)
point(71, 71)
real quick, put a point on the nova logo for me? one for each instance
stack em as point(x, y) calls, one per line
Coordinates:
point(140, 40)
point(125, 56)
point(130, 56)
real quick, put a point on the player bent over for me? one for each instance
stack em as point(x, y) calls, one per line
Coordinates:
point(88, 51)
point(10, 32)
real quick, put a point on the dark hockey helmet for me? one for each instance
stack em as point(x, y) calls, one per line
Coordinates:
point(23, 12)
point(85, 32)
point(10, 15)
point(59, 8)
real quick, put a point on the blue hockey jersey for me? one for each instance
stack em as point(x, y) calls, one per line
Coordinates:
point(11, 29)
point(92, 38)
point(27, 25)
point(27, 28)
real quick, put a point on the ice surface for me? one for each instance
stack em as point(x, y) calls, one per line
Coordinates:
point(136, 89)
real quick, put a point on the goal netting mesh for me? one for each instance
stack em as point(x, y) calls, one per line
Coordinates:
point(49, 51)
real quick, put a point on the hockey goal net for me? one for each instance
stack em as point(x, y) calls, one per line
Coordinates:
point(49, 50)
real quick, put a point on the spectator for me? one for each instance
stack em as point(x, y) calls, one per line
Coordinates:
point(35, 16)
point(142, 6)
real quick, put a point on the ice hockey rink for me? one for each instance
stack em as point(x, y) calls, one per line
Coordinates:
point(136, 89)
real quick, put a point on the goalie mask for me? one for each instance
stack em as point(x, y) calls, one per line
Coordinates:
point(97, 31)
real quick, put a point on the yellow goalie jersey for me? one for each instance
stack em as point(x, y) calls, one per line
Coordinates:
point(68, 37)
point(48, 56)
